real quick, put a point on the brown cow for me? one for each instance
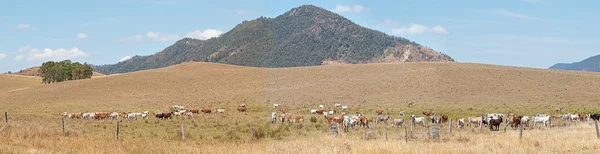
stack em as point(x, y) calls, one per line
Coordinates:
point(283, 110)
point(379, 112)
point(99, 116)
point(516, 121)
point(427, 113)
point(581, 116)
point(320, 112)
point(206, 111)
point(194, 111)
point(364, 121)
point(299, 119)
point(444, 118)
point(242, 109)
point(339, 120)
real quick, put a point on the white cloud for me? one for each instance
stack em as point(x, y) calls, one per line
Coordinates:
point(347, 8)
point(50, 54)
point(125, 58)
point(81, 36)
point(515, 15)
point(203, 35)
point(439, 30)
point(158, 37)
point(19, 57)
point(419, 29)
point(2, 55)
point(24, 26)
point(242, 12)
point(531, 1)
point(25, 48)
point(138, 37)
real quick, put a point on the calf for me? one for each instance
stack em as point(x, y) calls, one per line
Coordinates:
point(381, 118)
point(461, 123)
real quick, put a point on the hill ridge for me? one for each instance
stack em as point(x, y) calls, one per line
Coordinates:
point(303, 36)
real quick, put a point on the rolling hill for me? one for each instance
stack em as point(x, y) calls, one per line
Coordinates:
point(11, 83)
point(591, 64)
point(463, 88)
point(304, 36)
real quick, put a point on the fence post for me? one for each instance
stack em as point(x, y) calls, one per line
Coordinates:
point(521, 130)
point(386, 137)
point(117, 128)
point(252, 130)
point(597, 132)
point(333, 127)
point(182, 133)
point(436, 131)
point(481, 122)
point(505, 124)
point(5, 117)
point(63, 125)
point(450, 126)
point(406, 134)
point(412, 125)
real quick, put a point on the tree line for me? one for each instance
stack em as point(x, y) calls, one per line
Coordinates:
point(52, 72)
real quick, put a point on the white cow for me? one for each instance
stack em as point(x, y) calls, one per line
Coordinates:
point(475, 120)
point(418, 120)
point(89, 115)
point(187, 114)
point(338, 105)
point(541, 118)
point(275, 105)
point(177, 107)
point(242, 105)
point(313, 111)
point(525, 120)
point(331, 112)
point(145, 115)
point(574, 117)
point(461, 123)
point(221, 111)
point(273, 117)
point(344, 107)
point(113, 115)
point(131, 116)
point(398, 122)
point(321, 107)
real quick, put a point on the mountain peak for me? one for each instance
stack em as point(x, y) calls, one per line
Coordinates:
point(588, 64)
point(303, 36)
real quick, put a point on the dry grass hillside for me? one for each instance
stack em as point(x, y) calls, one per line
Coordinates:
point(458, 89)
point(12, 83)
point(444, 87)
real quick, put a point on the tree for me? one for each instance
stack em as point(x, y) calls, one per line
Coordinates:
point(64, 70)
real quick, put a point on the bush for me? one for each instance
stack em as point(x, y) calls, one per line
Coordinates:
point(52, 72)
point(313, 119)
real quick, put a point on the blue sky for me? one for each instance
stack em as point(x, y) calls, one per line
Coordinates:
point(529, 33)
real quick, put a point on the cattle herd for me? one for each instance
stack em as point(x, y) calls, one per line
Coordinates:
point(491, 120)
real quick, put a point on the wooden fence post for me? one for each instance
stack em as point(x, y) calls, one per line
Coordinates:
point(117, 128)
point(505, 124)
point(182, 133)
point(386, 137)
point(597, 132)
point(63, 125)
point(252, 130)
point(333, 129)
point(450, 127)
point(521, 130)
point(481, 122)
point(5, 117)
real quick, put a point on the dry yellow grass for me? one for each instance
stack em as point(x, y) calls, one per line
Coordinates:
point(458, 89)
point(11, 83)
